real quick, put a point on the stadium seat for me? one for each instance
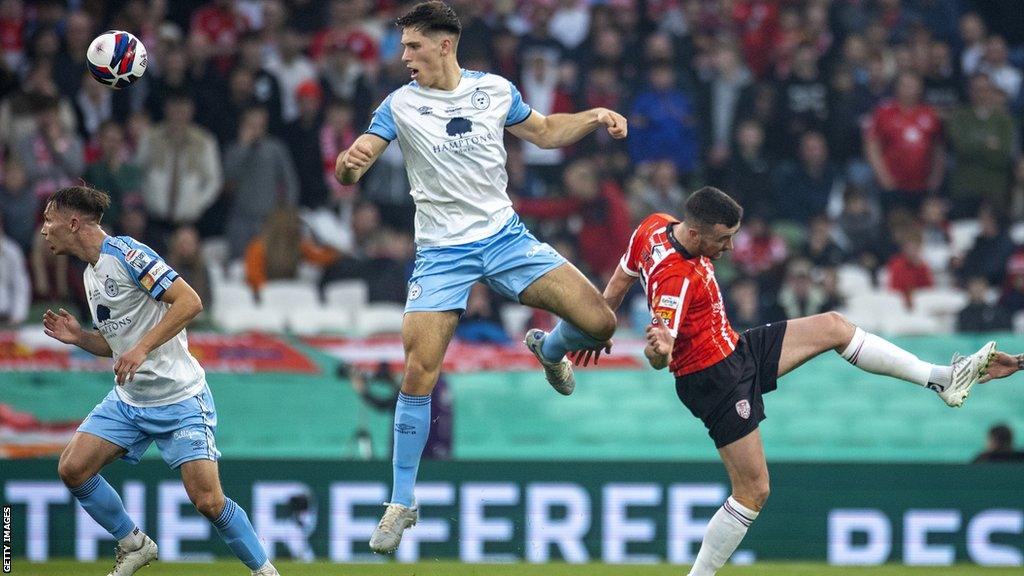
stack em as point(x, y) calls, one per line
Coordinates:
point(870, 310)
point(939, 301)
point(286, 294)
point(902, 323)
point(1017, 233)
point(853, 280)
point(962, 234)
point(236, 270)
point(215, 251)
point(379, 319)
point(347, 293)
point(514, 318)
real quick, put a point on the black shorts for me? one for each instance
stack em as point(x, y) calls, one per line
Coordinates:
point(727, 396)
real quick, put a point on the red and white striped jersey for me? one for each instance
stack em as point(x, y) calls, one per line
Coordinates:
point(681, 290)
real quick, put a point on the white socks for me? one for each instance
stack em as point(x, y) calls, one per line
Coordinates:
point(133, 541)
point(873, 354)
point(725, 531)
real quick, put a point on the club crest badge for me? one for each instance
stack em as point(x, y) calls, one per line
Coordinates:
point(743, 409)
point(110, 287)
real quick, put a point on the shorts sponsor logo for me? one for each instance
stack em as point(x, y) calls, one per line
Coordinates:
point(743, 409)
point(110, 287)
point(669, 301)
point(189, 434)
point(414, 291)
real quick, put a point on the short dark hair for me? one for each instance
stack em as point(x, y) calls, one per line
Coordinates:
point(709, 206)
point(1002, 435)
point(431, 17)
point(83, 199)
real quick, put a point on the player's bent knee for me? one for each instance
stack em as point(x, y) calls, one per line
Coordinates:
point(838, 326)
point(73, 473)
point(209, 504)
point(604, 327)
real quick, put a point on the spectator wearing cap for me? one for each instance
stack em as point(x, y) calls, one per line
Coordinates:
point(302, 138)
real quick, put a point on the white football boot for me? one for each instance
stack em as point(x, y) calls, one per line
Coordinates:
point(396, 519)
point(967, 370)
point(127, 563)
point(266, 570)
point(559, 374)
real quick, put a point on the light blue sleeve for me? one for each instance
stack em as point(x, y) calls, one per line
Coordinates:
point(517, 110)
point(383, 122)
point(146, 268)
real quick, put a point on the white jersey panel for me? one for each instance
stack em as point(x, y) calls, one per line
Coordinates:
point(454, 153)
point(123, 289)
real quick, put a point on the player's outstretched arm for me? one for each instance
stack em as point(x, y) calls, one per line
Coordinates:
point(185, 305)
point(354, 162)
point(1003, 365)
point(659, 344)
point(558, 130)
point(62, 326)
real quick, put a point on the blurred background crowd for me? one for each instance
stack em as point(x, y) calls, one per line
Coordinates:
point(875, 144)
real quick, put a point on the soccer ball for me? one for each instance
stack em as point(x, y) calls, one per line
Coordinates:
point(116, 58)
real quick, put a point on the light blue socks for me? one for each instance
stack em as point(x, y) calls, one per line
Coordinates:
point(412, 425)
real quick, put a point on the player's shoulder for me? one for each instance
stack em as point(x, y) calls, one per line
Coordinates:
point(129, 251)
point(656, 221)
point(479, 80)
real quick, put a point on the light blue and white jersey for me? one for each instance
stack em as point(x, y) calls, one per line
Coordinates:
point(124, 289)
point(454, 153)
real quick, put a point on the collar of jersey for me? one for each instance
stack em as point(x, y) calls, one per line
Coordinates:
point(465, 74)
point(675, 242)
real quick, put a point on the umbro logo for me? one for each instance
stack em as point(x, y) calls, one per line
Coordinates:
point(403, 428)
point(424, 110)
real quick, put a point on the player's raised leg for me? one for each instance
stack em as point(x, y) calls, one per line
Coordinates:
point(808, 337)
point(748, 471)
point(586, 321)
point(425, 337)
point(202, 484)
point(79, 468)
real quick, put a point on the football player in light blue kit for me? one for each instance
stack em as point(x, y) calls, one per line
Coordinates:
point(450, 124)
point(140, 308)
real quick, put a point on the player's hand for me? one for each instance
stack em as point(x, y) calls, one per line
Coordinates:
point(583, 357)
point(358, 156)
point(1001, 366)
point(62, 326)
point(615, 122)
point(128, 364)
point(659, 338)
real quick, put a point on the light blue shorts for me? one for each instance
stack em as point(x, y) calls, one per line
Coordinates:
point(508, 262)
point(183, 431)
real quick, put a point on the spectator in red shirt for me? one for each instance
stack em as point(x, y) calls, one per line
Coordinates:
point(902, 141)
point(220, 24)
point(907, 270)
point(595, 210)
point(759, 252)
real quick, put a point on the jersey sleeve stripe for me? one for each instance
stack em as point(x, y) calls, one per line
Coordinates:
point(679, 307)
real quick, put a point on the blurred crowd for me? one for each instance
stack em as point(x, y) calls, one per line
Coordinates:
point(854, 132)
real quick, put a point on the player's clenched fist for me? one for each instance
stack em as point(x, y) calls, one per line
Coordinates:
point(615, 122)
point(358, 156)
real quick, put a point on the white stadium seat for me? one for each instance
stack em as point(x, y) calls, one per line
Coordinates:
point(379, 319)
point(853, 279)
point(285, 294)
point(962, 234)
point(939, 301)
point(349, 293)
point(514, 318)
